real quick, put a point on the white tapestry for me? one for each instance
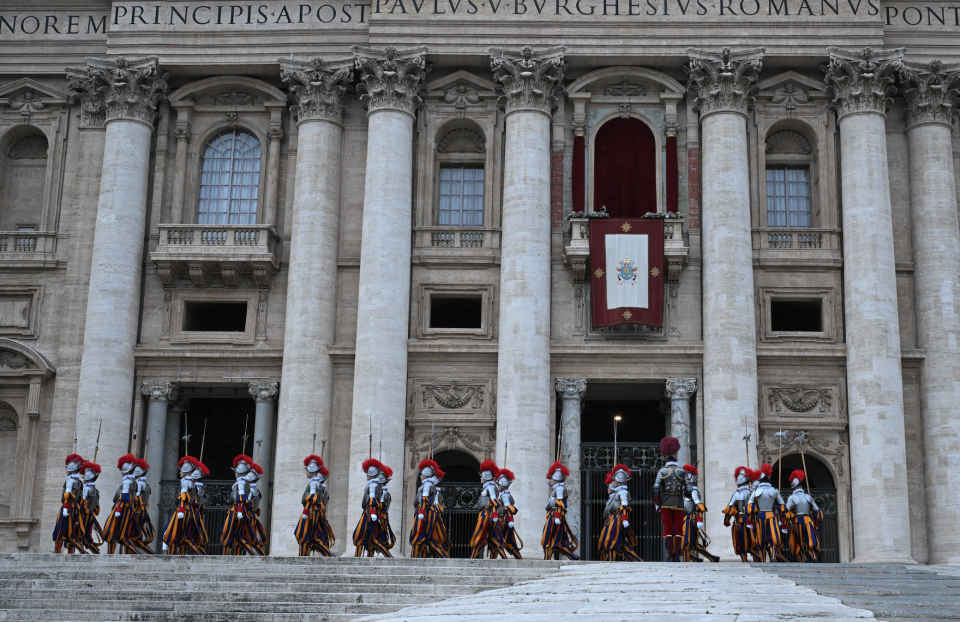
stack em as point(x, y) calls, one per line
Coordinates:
point(627, 268)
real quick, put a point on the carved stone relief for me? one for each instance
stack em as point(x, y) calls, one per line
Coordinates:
point(787, 401)
point(460, 95)
point(452, 396)
point(462, 141)
point(625, 89)
point(29, 148)
point(788, 141)
point(234, 98)
point(26, 101)
point(448, 438)
point(13, 360)
point(790, 95)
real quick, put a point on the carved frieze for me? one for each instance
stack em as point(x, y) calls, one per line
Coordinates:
point(789, 401)
point(317, 87)
point(26, 102)
point(459, 96)
point(931, 91)
point(724, 81)
point(13, 360)
point(861, 80)
point(829, 445)
point(453, 396)
point(449, 438)
point(528, 79)
point(234, 98)
point(624, 89)
point(118, 88)
point(391, 78)
point(790, 95)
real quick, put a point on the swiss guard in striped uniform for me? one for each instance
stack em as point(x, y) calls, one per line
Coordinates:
point(804, 515)
point(68, 530)
point(695, 540)
point(123, 525)
point(184, 533)
point(557, 536)
point(617, 540)
point(668, 492)
point(141, 503)
point(370, 535)
point(735, 514)
point(428, 536)
point(765, 507)
point(512, 543)
point(313, 532)
point(488, 532)
point(90, 507)
point(240, 534)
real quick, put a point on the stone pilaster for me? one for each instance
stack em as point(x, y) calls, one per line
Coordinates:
point(160, 395)
point(318, 89)
point(571, 392)
point(390, 80)
point(122, 94)
point(264, 435)
point(931, 91)
point(529, 81)
point(723, 82)
point(861, 83)
point(680, 390)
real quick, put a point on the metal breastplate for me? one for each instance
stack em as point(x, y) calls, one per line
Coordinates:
point(623, 497)
point(506, 499)
point(740, 499)
point(370, 491)
point(487, 495)
point(688, 505)
point(801, 504)
point(766, 499)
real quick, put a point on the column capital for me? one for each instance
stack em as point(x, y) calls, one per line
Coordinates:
point(723, 80)
point(159, 391)
point(391, 79)
point(264, 391)
point(571, 388)
point(118, 88)
point(931, 91)
point(529, 79)
point(861, 81)
point(680, 388)
point(317, 87)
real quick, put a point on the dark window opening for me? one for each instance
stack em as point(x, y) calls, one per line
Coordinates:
point(797, 316)
point(220, 317)
point(456, 312)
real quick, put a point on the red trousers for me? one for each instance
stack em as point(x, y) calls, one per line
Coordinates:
point(672, 529)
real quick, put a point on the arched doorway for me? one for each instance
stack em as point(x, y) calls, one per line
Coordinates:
point(823, 488)
point(461, 490)
point(625, 168)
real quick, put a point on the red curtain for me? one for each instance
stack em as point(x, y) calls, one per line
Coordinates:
point(579, 178)
point(625, 169)
point(672, 175)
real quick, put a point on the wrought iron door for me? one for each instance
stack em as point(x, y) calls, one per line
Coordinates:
point(215, 509)
point(460, 515)
point(826, 499)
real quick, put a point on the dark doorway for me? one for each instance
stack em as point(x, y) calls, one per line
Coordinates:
point(461, 490)
point(824, 491)
point(625, 169)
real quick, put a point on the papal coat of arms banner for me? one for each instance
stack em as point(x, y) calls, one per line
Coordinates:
point(626, 272)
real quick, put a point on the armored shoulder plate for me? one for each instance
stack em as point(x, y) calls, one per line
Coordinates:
point(671, 481)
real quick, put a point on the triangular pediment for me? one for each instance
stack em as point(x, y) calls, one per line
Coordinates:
point(461, 77)
point(47, 94)
point(792, 76)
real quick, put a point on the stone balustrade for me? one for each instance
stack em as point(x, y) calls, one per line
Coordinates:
point(27, 248)
point(247, 249)
point(451, 237)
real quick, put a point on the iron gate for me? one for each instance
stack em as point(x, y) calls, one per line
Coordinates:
point(826, 499)
point(460, 515)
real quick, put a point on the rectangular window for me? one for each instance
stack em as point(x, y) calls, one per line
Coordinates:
point(461, 196)
point(800, 316)
point(215, 316)
point(456, 311)
point(788, 196)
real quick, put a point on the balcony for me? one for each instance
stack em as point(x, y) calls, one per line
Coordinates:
point(464, 244)
point(27, 249)
point(209, 254)
point(797, 246)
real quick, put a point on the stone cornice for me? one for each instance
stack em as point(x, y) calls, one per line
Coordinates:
point(931, 91)
point(861, 80)
point(391, 79)
point(528, 79)
point(317, 87)
point(118, 88)
point(724, 81)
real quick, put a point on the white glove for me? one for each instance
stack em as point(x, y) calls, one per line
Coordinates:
point(656, 508)
point(179, 514)
point(420, 516)
point(239, 514)
point(699, 525)
point(66, 512)
point(626, 523)
point(495, 518)
point(164, 546)
point(510, 524)
point(373, 517)
point(556, 521)
point(117, 514)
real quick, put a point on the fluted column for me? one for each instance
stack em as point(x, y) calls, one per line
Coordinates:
point(389, 80)
point(264, 427)
point(571, 392)
point(160, 396)
point(529, 80)
point(931, 91)
point(317, 89)
point(722, 82)
point(126, 93)
point(861, 83)
point(680, 390)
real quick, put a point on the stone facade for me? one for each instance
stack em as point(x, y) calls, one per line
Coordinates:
point(107, 112)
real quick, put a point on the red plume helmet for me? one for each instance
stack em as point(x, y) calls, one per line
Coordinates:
point(204, 471)
point(428, 463)
point(189, 459)
point(689, 468)
point(257, 468)
point(244, 458)
point(507, 473)
point(754, 474)
point(96, 467)
point(124, 459)
point(140, 462)
point(311, 457)
point(669, 446)
point(741, 469)
point(372, 462)
point(489, 465)
point(608, 480)
point(326, 472)
point(766, 470)
point(73, 458)
point(797, 475)
point(439, 473)
point(556, 465)
point(387, 471)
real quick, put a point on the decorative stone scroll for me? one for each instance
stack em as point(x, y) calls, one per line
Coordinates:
point(724, 81)
point(317, 87)
point(452, 396)
point(572, 388)
point(461, 95)
point(799, 399)
point(118, 88)
point(529, 79)
point(930, 90)
point(391, 79)
point(680, 388)
point(263, 391)
point(861, 80)
point(157, 391)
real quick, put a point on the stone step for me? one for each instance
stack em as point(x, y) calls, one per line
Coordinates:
point(46, 559)
point(46, 615)
point(213, 595)
point(85, 586)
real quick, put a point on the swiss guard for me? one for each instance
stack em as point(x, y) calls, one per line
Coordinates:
point(240, 535)
point(557, 536)
point(141, 503)
point(668, 490)
point(765, 508)
point(804, 517)
point(428, 536)
point(313, 531)
point(123, 526)
point(617, 540)
point(736, 513)
point(90, 507)
point(488, 532)
point(253, 476)
point(695, 540)
point(183, 533)
point(370, 535)
point(68, 530)
point(512, 543)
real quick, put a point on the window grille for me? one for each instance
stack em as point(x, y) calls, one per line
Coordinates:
point(788, 196)
point(230, 180)
point(461, 196)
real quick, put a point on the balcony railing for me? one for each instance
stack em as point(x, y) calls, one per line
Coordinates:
point(247, 249)
point(27, 247)
point(457, 238)
point(804, 239)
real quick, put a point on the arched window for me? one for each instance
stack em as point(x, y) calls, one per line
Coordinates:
point(625, 169)
point(230, 180)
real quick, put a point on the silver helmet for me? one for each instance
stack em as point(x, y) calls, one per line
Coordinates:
point(503, 481)
point(312, 466)
point(241, 464)
point(741, 475)
point(73, 463)
point(127, 464)
point(140, 468)
point(381, 478)
point(89, 473)
point(188, 465)
point(621, 474)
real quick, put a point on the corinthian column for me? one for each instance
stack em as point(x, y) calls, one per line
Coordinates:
point(680, 390)
point(125, 94)
point(317, 89)
point(931, 93)
point(529, 81)
point(571, 392)
point(390, 80)
point(860, 83)
point(160, 396)
point(722, 82)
